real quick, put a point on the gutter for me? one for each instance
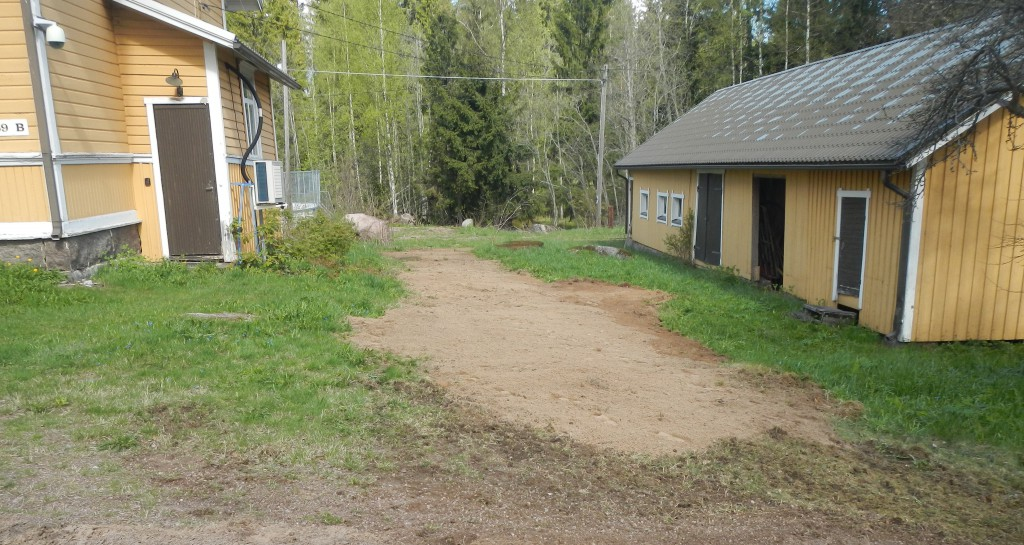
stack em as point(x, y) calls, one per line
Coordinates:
point(764, 166)
point(264, 65)
point(901, 275)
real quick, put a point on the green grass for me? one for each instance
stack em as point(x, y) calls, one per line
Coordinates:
point(121, 366)
point(971, 392)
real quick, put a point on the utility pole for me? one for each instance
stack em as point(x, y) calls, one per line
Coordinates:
point(600, 147)
point(287, 134)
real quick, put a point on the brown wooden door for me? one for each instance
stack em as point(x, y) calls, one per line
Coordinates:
point(187, 174)
point(707, 245)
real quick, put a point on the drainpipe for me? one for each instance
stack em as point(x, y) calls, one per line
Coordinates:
point(36, 63)
point(629, 203)
point(909, 202)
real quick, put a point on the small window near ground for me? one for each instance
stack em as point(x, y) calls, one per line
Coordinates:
point(662, 208)
point(677, 210)
point(645, 198)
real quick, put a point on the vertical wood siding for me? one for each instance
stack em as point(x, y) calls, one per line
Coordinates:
point(267, 141)
point(146, 206)
point(808, 269)
point(16, 98)
point(148, 52)
point(86, 79)
point(810, 229)
point(23, 195)
point(94, 190)
point(243, 196)
point(971, 276)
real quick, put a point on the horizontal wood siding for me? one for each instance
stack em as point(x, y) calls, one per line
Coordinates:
point(94, 190)
point(149, 51)
point(235, 139)
point(86, 79)
point(268, 143)
point(146, 206)
point(231, 101)
point(23, 194)
point(971, 275)
point(649, 232)
point(16, 98)
point(808, 268)
point(204, 10)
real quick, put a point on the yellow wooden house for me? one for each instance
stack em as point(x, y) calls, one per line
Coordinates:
point(126, 123)
point(817, 180)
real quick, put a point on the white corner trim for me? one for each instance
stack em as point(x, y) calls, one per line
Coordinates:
point(180, 20)
point(953, 134)
point(220, 152)
point(25, 230)
point(913, 251)
point(100, 223)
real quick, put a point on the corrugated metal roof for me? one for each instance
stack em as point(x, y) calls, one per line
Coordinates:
point(854, 109)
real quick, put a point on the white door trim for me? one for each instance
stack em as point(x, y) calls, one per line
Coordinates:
point(914, 250)
point(220, 152)
point(157, 181)
point(840, 195)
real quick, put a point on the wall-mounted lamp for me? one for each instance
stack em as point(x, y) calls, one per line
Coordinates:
point(175, 81)
point(54, 33)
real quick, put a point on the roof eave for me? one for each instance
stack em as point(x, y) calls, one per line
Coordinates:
point(863, 165)
point(257, 60)
point(180, 20)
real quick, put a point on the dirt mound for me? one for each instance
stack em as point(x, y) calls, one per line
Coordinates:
point(584, 359)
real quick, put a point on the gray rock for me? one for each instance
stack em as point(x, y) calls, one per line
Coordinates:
point(468, 222)
point(404, 218)
point(541, 228)
point(370, 228)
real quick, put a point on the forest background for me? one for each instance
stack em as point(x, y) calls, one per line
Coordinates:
point(489, 109)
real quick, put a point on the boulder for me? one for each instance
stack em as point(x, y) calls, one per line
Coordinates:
point(541, 228)
point(468, 222)
point(404, 218)
point(369, 227)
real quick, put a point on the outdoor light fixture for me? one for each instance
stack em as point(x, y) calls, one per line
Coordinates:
point(54, 33)
point(175, 81)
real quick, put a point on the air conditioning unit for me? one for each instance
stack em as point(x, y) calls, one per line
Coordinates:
point(269, 182)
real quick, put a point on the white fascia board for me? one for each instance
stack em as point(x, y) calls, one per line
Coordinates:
point(180, 20)
point(957, 132)
point(25, 230)
point(100, 223)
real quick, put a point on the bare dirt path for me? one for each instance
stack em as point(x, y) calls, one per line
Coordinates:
point(584, 359)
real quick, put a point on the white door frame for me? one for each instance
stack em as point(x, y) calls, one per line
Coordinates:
point(840, 195)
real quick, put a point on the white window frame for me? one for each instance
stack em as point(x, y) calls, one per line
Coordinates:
point(840, 195)
point(676, 220)
point(662, 208)
point(645, 202)
point(250, 111)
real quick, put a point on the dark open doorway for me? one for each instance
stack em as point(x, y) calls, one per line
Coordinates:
point(771, 228)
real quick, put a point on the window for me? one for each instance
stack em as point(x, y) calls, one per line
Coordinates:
point(252, 118)
point(662, 208)
point(645, 197)
point(677, 210)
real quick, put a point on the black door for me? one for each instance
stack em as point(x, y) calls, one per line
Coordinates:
point(185, 150)
point(771, 228)
point(853, 215)
point(708, 244)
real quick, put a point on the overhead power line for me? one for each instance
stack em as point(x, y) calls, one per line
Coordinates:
point(432, 76)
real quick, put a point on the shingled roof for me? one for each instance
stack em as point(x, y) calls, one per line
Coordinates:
point(854, 110)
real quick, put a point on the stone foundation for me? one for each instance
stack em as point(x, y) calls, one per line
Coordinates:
point(74, 253)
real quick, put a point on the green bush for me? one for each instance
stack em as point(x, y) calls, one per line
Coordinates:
point(320, 240)
point(680, 241)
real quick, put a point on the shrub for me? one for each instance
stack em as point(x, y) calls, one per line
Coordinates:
point(680, 241)
point(320, 240)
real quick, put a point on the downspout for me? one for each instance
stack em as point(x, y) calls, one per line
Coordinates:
point(629, 203)
point(35, 63)
point(909, 202)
